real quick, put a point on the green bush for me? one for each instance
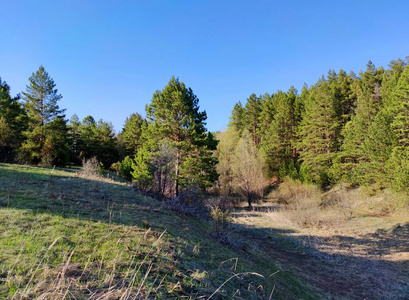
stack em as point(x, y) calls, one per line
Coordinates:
point(305, 174)
point(141, 170)
point(125, 168)
point(398, 167)
point(290, 169)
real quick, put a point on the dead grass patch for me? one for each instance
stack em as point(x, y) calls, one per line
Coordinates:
point(309, 207)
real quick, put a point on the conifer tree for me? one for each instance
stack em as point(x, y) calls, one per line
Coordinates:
point(344, 93)
point(368, 92)
point(266, 115)
point(75, 139)
point(398, 164)
point(97, 139)
point(13, 122)
point(390, 81)
point(380, 139)
point(279, 144)
point(400, 123)
point(251, 117)
point(237, 118)
point(377, 147)
point(319, 131)
point(131, 133)
point(174, 116)
point(46, 124)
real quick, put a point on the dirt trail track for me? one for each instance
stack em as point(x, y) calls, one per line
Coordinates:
point(371, 266)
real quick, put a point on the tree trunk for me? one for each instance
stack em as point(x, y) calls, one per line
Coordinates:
point(177, 173)
point(249, 200)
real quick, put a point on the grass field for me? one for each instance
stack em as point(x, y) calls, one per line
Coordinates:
point(63, 236)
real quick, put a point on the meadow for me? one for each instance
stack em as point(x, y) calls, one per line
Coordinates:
point(69, 235)
point(64, 236)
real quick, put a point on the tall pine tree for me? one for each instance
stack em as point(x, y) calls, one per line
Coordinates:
point(13, 122)
point(46, 137)
point(174, 116)
point(319, 130)
point(368, 94)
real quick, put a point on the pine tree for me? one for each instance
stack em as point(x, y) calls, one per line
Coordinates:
point(368, 93)
point(400, 123)
point(75, 139)
point(175, 116)
point(279, 143)
point(380, 139)
point(266, 115)
point(107, 152)
point(390, 81)
point(251, 117)
point(345, 95)
point(319, 131)
point(88, 138)
point(131, 133)
point(98, 139)
point(237, 118)
point(41, 99)
point(398, 164)
point(13, 122)
point(45, 122)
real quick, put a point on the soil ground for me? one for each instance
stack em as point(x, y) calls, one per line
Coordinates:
point(365, 258)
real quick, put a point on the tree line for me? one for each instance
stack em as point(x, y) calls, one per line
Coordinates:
point(344, 128)
point(168, 152)
point(33, 129)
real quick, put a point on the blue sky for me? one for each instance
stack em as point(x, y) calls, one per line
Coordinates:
point(109, 57)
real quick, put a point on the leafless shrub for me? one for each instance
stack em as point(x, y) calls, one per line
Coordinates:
point(162, 165)
point(221, 219)
point(189, 202)
point(305, 204)
point(332, 198)
point(298, 195)
point(191, 195)
point(91, 168)
point(223, 202)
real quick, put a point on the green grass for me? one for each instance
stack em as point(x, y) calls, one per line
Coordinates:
point(67, 237)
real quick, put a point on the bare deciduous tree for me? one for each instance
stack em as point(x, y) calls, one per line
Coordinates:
point(247, 167)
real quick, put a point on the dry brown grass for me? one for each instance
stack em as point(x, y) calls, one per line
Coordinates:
point(348, 242)
point(309, 207)
point(297, 195)
point(302, 202)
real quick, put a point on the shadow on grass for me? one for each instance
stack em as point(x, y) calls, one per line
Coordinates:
point(47, 190)
point(192, 248)
point(341, 266)
point(336, 274)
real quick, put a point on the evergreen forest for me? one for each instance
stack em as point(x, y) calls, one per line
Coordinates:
point(347, 127)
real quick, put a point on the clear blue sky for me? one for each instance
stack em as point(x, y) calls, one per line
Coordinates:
point(108, 57)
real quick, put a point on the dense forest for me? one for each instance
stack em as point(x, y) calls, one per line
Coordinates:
point(344, 128)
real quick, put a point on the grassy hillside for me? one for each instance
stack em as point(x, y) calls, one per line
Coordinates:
point(64, 236)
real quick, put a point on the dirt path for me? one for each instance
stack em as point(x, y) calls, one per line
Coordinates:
point(370, 266)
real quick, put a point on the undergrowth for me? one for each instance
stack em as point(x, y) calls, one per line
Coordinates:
point(308, 206)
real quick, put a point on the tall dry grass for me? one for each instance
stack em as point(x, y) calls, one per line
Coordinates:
point(308, 206)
